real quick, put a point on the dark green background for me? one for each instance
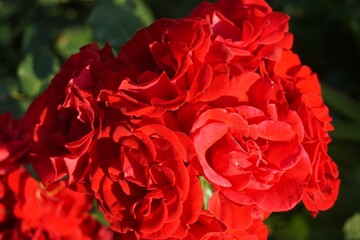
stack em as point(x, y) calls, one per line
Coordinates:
point(36, 37)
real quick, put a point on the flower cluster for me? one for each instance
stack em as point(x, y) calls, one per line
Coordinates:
point(218, 95)
point(55, 213)
point(28, 210)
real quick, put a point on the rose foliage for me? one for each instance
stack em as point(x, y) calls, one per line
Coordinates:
point(218, 95)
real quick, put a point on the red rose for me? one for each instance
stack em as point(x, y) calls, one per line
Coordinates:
point(301, 88)
point(13, 143)
point(248, 29)
point(217, 94)
point(302, 91)
point(142, 185)
point(168, 64)
point(323, 188)
point(48, 214)
point(65, 118)
point(254, 159)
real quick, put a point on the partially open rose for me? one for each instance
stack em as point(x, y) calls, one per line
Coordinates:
point(252, 158)
point(301, 88)
point(55, 213)
point(65, 119)
point(323, 188)
point(302, 91)
point(249, 30)
point(167, 64)
point(142, 185)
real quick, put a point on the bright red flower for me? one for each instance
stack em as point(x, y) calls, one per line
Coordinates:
point(248, 29)
point(323, 188)
point(65, 118)
point(169, 63)
point(165, 66)
point(254, 159)
point(217, 94)
point(301, 89)
point(142, 185)
point(55, 213)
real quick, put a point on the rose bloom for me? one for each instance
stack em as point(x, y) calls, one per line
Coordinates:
point(65, 118)
point(248, 30)
point(252, 150)
point(142, 184)
point(55, 213)
point(301, 88)
point(13, 143)
point(302, 91)
point(323, 188)
point(254, 158)
point(167, 64)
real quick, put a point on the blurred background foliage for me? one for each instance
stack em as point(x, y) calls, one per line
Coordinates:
point(37, 36)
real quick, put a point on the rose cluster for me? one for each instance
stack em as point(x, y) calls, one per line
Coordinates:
point(218, 95)
point(27, 209)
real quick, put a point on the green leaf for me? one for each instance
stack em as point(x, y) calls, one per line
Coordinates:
point(34, 37)
point(143, 12)
point(30, 169)
point(45, 62)
point(71, 39)
point(10, 98)
point(207, 191)
point(116, 22)
point(99, 216)
point(351, 227)
point(36, 70)
point(341, 103)
point(24, 104)
point(8, 88)
point(30, 84)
